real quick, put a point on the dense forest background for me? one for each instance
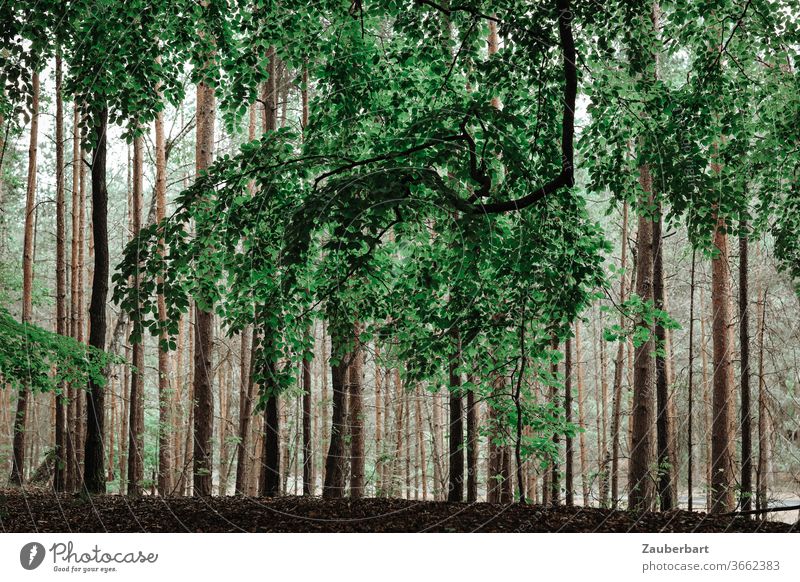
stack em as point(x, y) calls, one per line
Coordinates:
point(466, 251)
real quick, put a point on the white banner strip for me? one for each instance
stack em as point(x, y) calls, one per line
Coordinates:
point(356, 557)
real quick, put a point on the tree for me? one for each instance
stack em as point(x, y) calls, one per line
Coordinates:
point(136, 398)
point(20, 418)
point(59, 478)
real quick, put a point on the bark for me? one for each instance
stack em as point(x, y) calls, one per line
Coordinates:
point(619, 365)
point(356, 416)
point(722, 427)
point(379, 460)
point(690, 419)
point(455, 488)
point(203, 406)
point(423, 463)
point(472, 444)
point(744, 346)
point(165, 453)
point(334, 462)
point(270, 482)
point(641, 490)
point(438, 447)
point(94, 459)
point(20, 418)
point(245, 411)
point(555, 476)
point(706, 399)
point(76, 280)
point(568, 453)
point(581, 416)
point(764, 426)
point(664, 430)
point(136, 423)
point(308, 453)
point(59, 478)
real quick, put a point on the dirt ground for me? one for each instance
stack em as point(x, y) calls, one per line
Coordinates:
point(37, 511)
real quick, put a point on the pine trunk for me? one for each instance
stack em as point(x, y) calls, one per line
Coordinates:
point(20, 418)
point(94, 459)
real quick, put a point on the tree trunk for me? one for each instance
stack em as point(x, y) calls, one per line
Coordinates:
point(308, 453)
point(59, 479)
point(690, 420)
point(379, 460)
point(270, 483)
point(641, 492)
point(423, 462)
point(619, 365)
point(744, 346)
point(581, 416)
point(20, 418)
point(764, 425)
point(568, 454)
point(555, 476)
point(472, 444)
point(136, 424)
point(455, 490)
point(334, 462)
point(356, 415)
point(664, 429)
point(93, 473)
point(722, 432)
point(165, 427)
point(203, 405)
point(246, 394)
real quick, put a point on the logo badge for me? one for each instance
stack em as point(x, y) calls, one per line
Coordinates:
point(31, 555)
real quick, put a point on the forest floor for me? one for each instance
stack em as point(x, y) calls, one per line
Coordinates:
point(38, 511)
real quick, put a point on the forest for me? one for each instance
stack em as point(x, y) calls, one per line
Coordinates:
point(399, 265)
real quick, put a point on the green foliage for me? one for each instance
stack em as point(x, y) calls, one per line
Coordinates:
point(44, 361)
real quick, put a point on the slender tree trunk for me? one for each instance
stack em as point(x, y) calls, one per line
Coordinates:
point(581, 416)
point(20, 418)
point(423, 463)
point(619, 365)
point(706, 400)
point(690, 420)
point(124, 434)
point(165, 467)
point(334, 463)
point(722, 445)
point(308, 453)
point(764, 426)
point(438, 447)
point(59, 479)
point(203, 405)
point(270, 483)
point(398, 433)
point(93, 472)
point(356, 415)
point(555, 474)
point(568, 455)
point(744, 346)
point(379, 461)
point(641, 490)
point(455, 490)
point(664, 429)
point(271, 448)
point(245, 411)
point(472, 444)
point(74, 300)
point(136, 424)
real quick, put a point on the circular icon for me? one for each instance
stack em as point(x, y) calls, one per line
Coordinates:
point(31, 555)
